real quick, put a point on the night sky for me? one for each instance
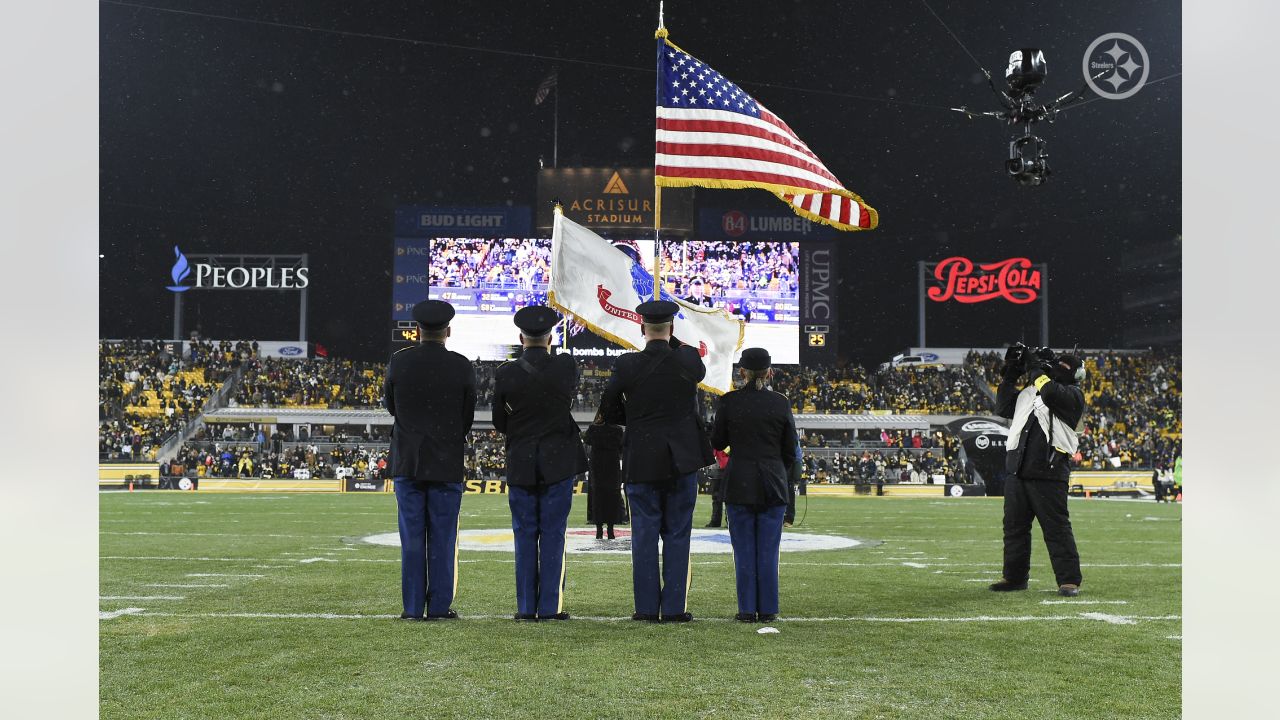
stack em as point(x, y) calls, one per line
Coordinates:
point(228, 136)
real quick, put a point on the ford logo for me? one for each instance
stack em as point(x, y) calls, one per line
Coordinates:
point(290, 350)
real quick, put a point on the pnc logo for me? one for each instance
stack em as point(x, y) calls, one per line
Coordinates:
point(615, 186)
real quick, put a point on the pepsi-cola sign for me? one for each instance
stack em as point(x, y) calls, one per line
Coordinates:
point(1016, 280)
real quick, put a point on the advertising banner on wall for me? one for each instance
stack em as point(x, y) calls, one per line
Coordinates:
point(819, 301)
point(755, 224)
point(612, 198)
point(432, 221)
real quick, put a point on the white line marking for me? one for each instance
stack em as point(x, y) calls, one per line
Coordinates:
point(915, 565)
point(205, 534)
point(1084, 602)
point(118, 613)
point(192, 585)
point(317, 559)
point(141, 597)
point(1173, 637)
point(223, 575)
point(184, 559)
point(1113, 619)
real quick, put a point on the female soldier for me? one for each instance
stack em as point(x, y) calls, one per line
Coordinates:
point(605, 505)
point(757, 424)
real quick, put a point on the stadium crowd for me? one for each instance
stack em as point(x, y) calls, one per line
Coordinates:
point(745, 278)
point(147, 391)
point(497, 263)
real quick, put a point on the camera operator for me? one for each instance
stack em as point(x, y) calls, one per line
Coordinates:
point(1046, 416)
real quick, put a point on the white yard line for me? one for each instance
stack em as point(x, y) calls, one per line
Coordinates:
point(1110, 619)
point(141, 597)
point(201, 534)
point(248, 575)
point(117, 613)
point(189, 585)
point(1084, 602)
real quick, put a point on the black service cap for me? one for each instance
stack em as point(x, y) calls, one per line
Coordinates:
point(536, 320)
point(755, 359)
point(658, 311)
point(433, 314)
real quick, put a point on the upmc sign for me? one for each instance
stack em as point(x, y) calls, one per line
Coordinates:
point(1016, 280)
point(818, 302)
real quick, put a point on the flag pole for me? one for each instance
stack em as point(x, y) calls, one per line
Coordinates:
point(555, 126)
point(657, 189)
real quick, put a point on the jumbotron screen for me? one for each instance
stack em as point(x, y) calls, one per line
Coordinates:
point(488, 279)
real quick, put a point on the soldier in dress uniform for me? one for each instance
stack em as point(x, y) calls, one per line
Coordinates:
point(532, 406)
point(431, 392)
point(654, 393)
point(758, 424)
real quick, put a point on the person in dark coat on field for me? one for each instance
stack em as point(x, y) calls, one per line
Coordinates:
point(1047, 415)
point(605, 504)
point(654, 393)
point(532, 406)
point(431, 393)
point(756, 423)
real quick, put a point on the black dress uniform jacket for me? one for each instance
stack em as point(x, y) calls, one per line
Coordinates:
point(760, 432)
point(659, 407)
point(431, 392)
point(1035, 458)
point(604, 491)
point(535, 413)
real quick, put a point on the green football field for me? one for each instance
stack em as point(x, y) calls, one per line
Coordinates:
point(263, 606)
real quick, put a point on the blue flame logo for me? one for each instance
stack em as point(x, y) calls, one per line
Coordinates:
point(181, 269)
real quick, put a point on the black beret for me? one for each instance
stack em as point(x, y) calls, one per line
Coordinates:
point(755, 359)
point(536, 320)
point(658, 311)
point(433, 314)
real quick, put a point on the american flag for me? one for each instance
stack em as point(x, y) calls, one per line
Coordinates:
point(545, 87)
point(711, 133)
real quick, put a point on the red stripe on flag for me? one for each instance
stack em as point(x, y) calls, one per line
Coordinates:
point(864, 217)
point(721, 174)
point(733, 128)
point(742, 152)
point(846, 211)
point(826, 205)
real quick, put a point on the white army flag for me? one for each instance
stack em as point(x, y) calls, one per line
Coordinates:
point(600, 286)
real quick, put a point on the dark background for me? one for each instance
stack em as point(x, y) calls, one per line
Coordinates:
point(232, 136)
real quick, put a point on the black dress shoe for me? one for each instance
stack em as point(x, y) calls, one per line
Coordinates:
point(643, 617)
point(611, 536)
point(678, 618)
point(715, 525)
point(1007, 586)
point(451, 615)
point(525, 617)
point(557, 616)
point(766, 617)
point(411, 618)
point(745, 617)
point(1068, 590)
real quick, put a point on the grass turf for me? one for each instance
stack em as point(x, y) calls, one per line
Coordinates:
point(863, 635)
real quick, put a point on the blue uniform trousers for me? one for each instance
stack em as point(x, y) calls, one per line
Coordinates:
point(539, 519)
point(428, 544)
point(756, 537)
point(662, 511)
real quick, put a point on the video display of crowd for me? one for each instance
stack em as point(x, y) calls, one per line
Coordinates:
point(488, 279)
